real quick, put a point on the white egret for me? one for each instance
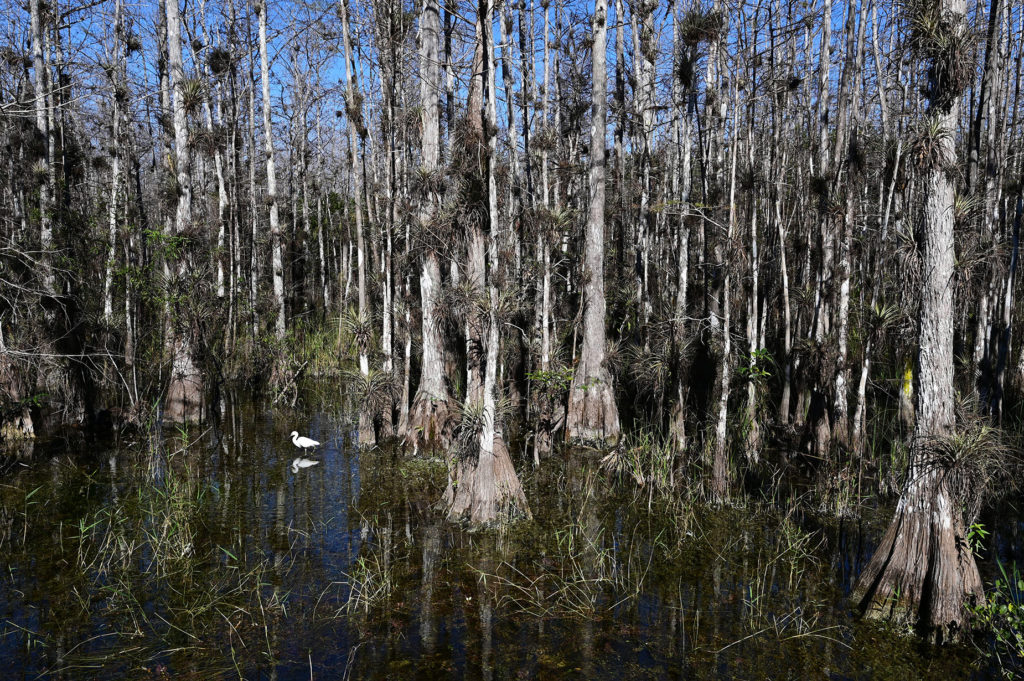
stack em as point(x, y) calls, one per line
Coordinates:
point(302, 463)
point(303, 442)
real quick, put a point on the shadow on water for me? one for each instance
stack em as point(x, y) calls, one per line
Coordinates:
point(202, 555)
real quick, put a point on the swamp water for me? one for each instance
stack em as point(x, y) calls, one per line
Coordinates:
point(201, 555)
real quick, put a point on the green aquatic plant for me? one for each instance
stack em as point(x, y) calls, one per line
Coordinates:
point(645, 458)
point(371, 583)
point(1001, 620)
point(373, 578)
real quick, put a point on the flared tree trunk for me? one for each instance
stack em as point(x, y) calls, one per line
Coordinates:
point(18, 424)
point(184, 401)
point(923, 571)
point(430, 415)
point(486, 488)
point(592, 414)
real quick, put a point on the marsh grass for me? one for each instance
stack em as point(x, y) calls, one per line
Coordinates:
point(385, 557)
point(580, 579)
point(371, 581)
point(579, 570)
point(645, 457)
point(318, 346)
point(778, 569)
point(152, 570)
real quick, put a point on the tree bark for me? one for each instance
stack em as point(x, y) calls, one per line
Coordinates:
point(184, 402)
point(593, 414)
point(923, 570)
point(353, 100)
point(486, 488)
point(431, 411)
point(43, 128)
point(277, 258)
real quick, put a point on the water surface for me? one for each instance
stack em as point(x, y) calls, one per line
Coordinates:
point(201, 555)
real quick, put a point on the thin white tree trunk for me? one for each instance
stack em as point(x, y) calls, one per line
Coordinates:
point(184, 394)
point(277, 248)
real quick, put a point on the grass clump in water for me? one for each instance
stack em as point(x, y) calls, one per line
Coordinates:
point(158, 575)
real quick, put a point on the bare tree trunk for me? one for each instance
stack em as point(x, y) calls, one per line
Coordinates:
point(753, 440)
point(549, 138)
point(1006, 335)
point(645, 52)
point(818, 424)
point(430, 414)
point(988, 84)
point(986, 352)
point(476, 243)
point(42, 97)
point(323, 223)
point(593, 414)
point(353, 98)
point(528, 93)
point(682, 182)
point(487, 489)
point(277, 248)
point(720, 454)
point(390, 90)
point(923, 570)
point(787, 315)
point(119, 91)
point(622, 226)
point(185, 393)
point(253, 213)
point(860, 410)
point(222, 193)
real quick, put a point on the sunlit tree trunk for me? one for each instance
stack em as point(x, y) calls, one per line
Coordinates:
point(644, 55)
point(593, 414)
point(720, 474)
point(253, 213)
point(486, 488)
point(684, 61)
point(779, 168)
point(45, 159)
point(354, 102)
point(277, 239)
point(923, 570)
point(430, 413)
point(185, 392)
point(815, 398)
point(120, 92)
